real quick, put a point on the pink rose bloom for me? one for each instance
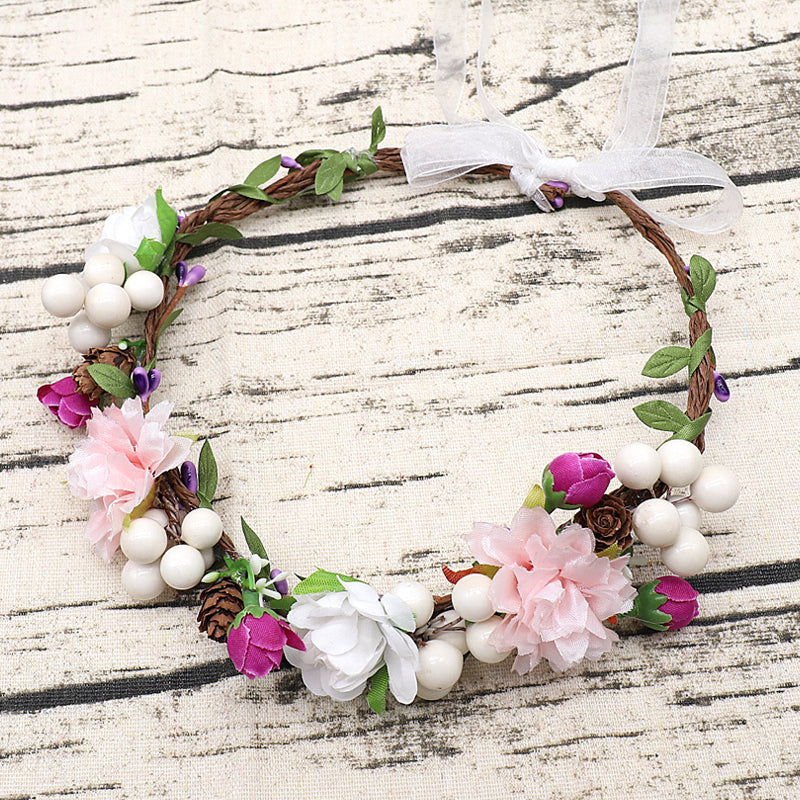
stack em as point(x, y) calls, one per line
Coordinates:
point(554, 590)
point(63, 398)
point(117, 464)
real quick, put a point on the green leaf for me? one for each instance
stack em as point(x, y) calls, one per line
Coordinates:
point(666, 361)
point(661, 415)
point(112, 379)
point(535, 497)
point(378, 686)
point(704, 279)
point(366, 166)
point(690, 305)
point(330, 172)
point(210, 230)
point(699, 349)
point(284, 604)
point(168, 321)
point(646, 607)
point(167, 217)
point(336, 192)
point(310, 156)
point(263, 172)
point(164, 267)
point(149, 253)
point(206, 472)
point(378, 129)
point(350, 161)
point(692, 429)
point(204, 501)
point(253, 542)
point(322, 581)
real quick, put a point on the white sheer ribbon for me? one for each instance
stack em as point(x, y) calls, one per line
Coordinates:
point(629, 159)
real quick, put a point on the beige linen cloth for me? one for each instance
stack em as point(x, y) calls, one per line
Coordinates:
point(380, 372)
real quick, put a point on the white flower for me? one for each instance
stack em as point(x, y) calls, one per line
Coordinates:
point(123, 233)
point(348, 636)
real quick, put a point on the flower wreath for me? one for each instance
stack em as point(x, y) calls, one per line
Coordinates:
point(544, 591)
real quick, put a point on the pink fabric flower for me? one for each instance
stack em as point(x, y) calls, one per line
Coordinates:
point(256, 644)
point(125, 450)
point(553, 589)
point(63, 398)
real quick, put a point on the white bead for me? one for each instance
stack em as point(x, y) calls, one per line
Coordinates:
point(145, 289)
point(142, 581)
point(716, 488)
point(637, 466)
point(470, 597)
point(681, 462)
point(201, 528)
point(182, 567)
point(143, 541)
point(104, 268)
point(478, 641)
point(432, 694)
point(62, 295)
point(107, 305)
point(688, 555)
point(83, 334)
point(456, 638)
point(208, 556)
point(418, 598)
point(689, 512)
point(440, 665)
point(656, 522)
point(159, 515)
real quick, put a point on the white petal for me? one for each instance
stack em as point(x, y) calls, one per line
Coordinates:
point(402, 677)
point(364, 599)
point(337, 635)
point(398, 612)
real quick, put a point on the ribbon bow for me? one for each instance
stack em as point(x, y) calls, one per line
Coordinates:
point(629, 159)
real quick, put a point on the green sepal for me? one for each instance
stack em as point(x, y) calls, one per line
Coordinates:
point(535, 497)
point(263, 172)
point(646, 607)
point(661, 415)
point(149, 253)
point(552, 498)
point(208, 231)
point(378, 686)
point(378, 130)
point(167, 217)
point(253, 542)
point(699, 350)
point(330, 172)
point(252, 611)
point(666, 361)
point(704, 279)
point(112, 379)
point(322, 581)
point(692, 429)
point(207, 474)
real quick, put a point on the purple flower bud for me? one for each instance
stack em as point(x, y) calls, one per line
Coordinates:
point(180, 272)
point(280, 586)
point(189, 476)
point(290, 163)
point(153, 379)
point(559, 185)
point(195, 275)
point(721, 390)
point(141, 383)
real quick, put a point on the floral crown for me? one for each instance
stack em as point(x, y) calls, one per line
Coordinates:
point(552, 586)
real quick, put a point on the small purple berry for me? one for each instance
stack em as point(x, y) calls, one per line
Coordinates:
point(558, 202)
point(180, 272)
point(289, 163)
point(721, 390)
point(189, 476)
point(281, 586)
point(194, 276)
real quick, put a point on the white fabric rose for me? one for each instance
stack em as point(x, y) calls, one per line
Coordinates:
point(348, 636)
point(123, 233)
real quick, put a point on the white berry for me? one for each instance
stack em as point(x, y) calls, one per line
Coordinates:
point(688, 555)
point(208, 556)
point(107, 305)
point(182, 567)
point(637, 466)
point(716, 488)
point(470, 597)
point(142, 581)
point(201, 528)
point(62, 295)
point(432, 694)
point(143, 541)
point(656, 522)
point(159, 515)
point(104, 268)
point(457, 638)
point(83, 334)
point(689, 512)
point(145, 289)
point(418, 598)
point(440, 665)
point(681, 462)
point(479, 644)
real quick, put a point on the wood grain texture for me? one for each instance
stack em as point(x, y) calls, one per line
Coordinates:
point(377, 374)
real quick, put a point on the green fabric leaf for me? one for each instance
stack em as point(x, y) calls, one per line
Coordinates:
point(336, 192)
point(164, 266)
point(263, 172)
point(168, 321)
point(322, 581)
point(692, 429)
point(378, 129)
point(204, 501)
point(112, 379)
point(167, 217)
point(207, 472)
point(284, 604)
point(379, 685)
point(209, 230)
point(661, 415)
point(310, 156)
point(666, 361)
point(149, 253)
point(690, 305)
point(253, 542)
point(646, 607)
point(703, 277)
point(366, 166)
point(330, 172)
point(699, 349)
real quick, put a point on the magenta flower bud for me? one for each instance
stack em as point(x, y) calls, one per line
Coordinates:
point(574, 480)
point(721, 390)
point(681, 603)
point(65, 401)
point(256, 644)
point(189, 476)
point(289, 163)
point(281, 586)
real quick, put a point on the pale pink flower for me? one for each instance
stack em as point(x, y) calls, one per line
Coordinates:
point(553, 589)
point(125, 450)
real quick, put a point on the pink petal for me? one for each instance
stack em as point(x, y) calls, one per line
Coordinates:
point(588, 492)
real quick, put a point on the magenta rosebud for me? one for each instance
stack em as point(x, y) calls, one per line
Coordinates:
point(574, 480)
point(721, 390)
point(282, 585)
point(681, 603)
point(256, 644)
point(65, 401)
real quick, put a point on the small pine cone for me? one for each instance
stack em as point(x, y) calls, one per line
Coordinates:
point(122, 359)
point(219, 605)
point(610, 522)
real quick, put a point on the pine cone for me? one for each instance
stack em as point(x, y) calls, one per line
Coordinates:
point(610, 522)
point(122, 359)
point(219, 605)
